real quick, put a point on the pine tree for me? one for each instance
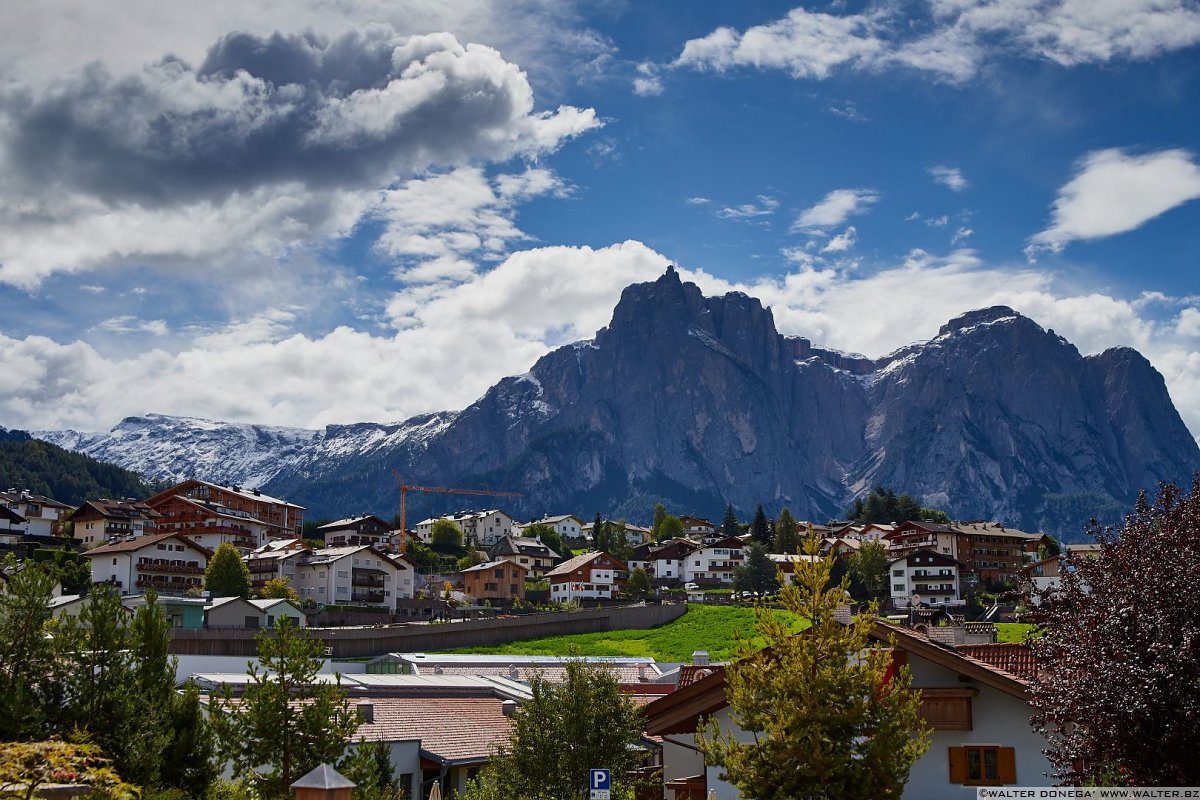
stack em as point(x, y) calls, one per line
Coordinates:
point(227, 574)
point(760, 528)
point(787, 533)
point(189, 761)
point(639, 584)
point(729, 525)
point(671, 528)
point(286, 720)
point(827, 722)
point(28, 684)
point(757, 574)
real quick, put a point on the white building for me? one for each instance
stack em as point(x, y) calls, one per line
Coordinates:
point(713, 564)
point(565, 525)
point(168, 563)
point(43, 514)
point(595, 575)
point(979, 714)
point(927, 573)
point(485, 528)
point(361, 576)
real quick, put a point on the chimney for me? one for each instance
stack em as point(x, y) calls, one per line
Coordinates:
point(699, 657)
point(366, 710)
point(509, 707)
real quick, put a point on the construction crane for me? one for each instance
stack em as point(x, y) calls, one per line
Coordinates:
point(405, 488)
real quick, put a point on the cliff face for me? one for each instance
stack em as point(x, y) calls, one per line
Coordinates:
point(697, 401)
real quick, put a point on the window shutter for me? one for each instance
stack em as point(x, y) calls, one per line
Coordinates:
point(1007, 765)
point(958, 765)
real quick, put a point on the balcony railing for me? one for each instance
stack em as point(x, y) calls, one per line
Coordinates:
point(361, 579)
point(168, 565)
point(367, 595)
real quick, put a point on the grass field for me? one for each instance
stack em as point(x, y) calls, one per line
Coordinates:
point(708, 628)
point(1012, 631)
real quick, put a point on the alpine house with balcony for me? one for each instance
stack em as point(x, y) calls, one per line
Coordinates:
point(360, 576)
point(169, 563)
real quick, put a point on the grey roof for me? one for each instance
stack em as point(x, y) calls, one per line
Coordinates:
point(324, 777)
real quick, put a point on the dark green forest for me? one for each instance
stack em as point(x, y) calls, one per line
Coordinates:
point(46, 469)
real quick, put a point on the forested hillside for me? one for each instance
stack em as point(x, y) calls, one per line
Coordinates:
point(44, 468)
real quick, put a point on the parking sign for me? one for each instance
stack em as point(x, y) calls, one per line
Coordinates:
point(600, 782)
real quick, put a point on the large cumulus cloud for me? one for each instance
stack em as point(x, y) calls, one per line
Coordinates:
point(297, 132)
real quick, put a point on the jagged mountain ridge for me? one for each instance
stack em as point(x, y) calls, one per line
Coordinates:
point(698, 401)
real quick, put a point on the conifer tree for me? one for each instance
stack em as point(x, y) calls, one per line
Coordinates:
point(826, 718)
point(757, 574)
point(729, 525)
point(660, 514)
point(286, 720)
point(787, 533)
point(760, 528)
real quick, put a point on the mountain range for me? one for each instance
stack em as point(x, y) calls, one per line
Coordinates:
point(697, 401)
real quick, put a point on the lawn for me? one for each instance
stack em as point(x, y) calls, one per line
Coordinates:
point(703, 627)
point(1013, 631)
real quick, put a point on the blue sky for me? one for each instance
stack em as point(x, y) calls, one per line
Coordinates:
point(300, 215)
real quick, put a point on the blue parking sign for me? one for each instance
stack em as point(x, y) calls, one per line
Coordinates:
point(600, 782)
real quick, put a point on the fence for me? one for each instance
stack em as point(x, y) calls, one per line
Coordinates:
point(367, 642)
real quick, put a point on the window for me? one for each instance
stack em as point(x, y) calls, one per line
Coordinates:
point(342, 573)
point(499, 572)
point(983, 765)
point(897, 587)
point(899, 573)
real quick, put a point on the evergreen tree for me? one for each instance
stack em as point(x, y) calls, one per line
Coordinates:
point(760, 528)
point(597, 527)
point(586, 710)
point(660, 514)
point(907, 508)
point(787, 533)
point(548, 536)
point(189, 761)
point(729, 525)
point(28, 682)
point(227, 574)
point(757, 574)
point(286, 720)
point(369, 766)
point(827, 721)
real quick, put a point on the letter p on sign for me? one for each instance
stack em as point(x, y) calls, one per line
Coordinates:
point(600, 782)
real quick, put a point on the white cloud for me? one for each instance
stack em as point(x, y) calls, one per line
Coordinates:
point(128, 323)
point(459, 339)
point(834, 209)
point(1115, 192)
point(842, 242)
point(961, 235)
point(956, 38)
point(648, 83)
point(439, 224)
point(806, 44)
point(698, 201)
point(939, 221)
point(271, 143)
point(950, 177)
point(765, 207)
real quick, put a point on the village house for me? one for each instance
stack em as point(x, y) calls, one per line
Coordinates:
point(484, 528)
point(277, 607)
point(168, 563)
point(1039, 577)
point(979, 714)
point(13, 527)
point(665, 563)
point(531, 553)
point(589, 576)
point(714, 563)
point(232, 612)
point(697, 526)
point(495, 580)
point(43, 514)
point(275, 559)
point(362, 576)
point(283, 520)
point(181, 612)
point(567, 526)
point(927, 573)
point(208, 523)
point(367, 529)
point(922, 535)
point(98, 522)
point(993, 553)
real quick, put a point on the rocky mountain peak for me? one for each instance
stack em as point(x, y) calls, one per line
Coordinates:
point(980, 316)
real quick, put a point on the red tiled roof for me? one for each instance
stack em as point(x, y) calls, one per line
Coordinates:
point(580, 561)
point(1012, 657)
point(449, 728)
point(690, 673)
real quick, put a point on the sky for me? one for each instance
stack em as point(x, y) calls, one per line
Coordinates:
point(311, 212)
